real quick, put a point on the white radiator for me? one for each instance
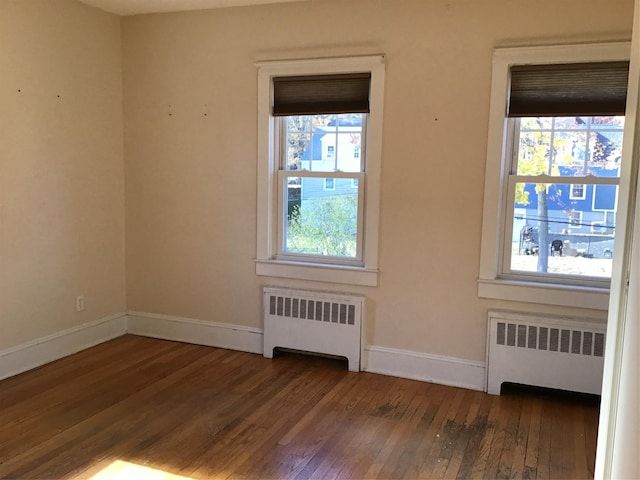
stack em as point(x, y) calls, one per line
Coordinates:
point(554, 352)
point(318, 322)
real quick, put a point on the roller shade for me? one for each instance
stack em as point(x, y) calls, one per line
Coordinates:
point(318, 94)
point(568, 89)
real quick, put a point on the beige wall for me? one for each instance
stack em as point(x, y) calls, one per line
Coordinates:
point(190, 152)
point(61, 167)
point(191, 178)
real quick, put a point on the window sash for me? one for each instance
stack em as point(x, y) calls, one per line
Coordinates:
point(504, 269)
point(281, 136)
point(512, 146)
point(583, 189)
point(282, 254)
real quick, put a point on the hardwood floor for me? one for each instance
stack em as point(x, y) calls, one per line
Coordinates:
point(135, 404)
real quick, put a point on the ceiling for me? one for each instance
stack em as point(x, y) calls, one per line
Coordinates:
point(135, 7)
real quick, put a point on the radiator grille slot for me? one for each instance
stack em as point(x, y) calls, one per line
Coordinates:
point(598, 349)
point(533, 337)
point(577, 342)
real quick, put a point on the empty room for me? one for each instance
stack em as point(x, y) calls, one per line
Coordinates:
point(319, 239)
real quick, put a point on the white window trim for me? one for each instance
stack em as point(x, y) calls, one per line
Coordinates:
point(267, 191)
point(490, 285)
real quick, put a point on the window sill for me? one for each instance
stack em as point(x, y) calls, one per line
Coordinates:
point(545, 293)
point(317, 272)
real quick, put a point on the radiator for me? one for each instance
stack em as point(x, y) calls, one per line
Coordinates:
point(311, 321)
point(555, 352)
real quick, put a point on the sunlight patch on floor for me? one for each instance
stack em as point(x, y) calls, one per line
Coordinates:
point(121, 470)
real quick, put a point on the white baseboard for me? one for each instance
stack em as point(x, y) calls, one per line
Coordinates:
point(43, 350)
point(387, 361)
point(212, 334)
point(450, 371)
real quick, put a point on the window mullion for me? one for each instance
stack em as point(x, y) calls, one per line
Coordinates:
point(587, 149)
point(513, 148)
point(552, 147)
point(588, 180)
point(281, 237)
point(363, 143)
point(337, 140)
point(509, 211)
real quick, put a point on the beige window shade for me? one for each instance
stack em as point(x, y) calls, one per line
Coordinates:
point(568, 89)
point(318, 94)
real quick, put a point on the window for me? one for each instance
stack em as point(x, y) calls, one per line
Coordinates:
point(329, 184)
point(314, 219)
point(577, 191)
point(575, 219)
point(330, 151)
point(556, 117)
point(549, 152)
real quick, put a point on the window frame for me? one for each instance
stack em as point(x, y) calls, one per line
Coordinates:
point(577, 220)
point(576, 197)
point(505, 270)
point(491, 282)
point(332, 188)
point(269, 187)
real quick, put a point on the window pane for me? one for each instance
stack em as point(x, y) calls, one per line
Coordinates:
point(570, 153)
point(349, 149)
point(554, 233)
point(298, 140)
point(320, 221)
point(605, 153)
point(534, 153)
point(324, 143)
point(570, 146)
point(607, 123)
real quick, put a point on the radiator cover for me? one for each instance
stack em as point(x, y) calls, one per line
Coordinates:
point(566, 353)
point(313, 321)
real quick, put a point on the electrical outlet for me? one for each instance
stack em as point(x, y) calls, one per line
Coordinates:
point(79, 303)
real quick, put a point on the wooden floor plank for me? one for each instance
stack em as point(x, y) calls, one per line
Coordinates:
point(521, 439)
point(492, 446)
point(188, 411)
point(557, 447)
point(510, 430)
point(478, 429)
point(533, 442)
point(543, 469)
point(590, 420)
point(433, 462)
point(580, 467)
point(463, 436)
